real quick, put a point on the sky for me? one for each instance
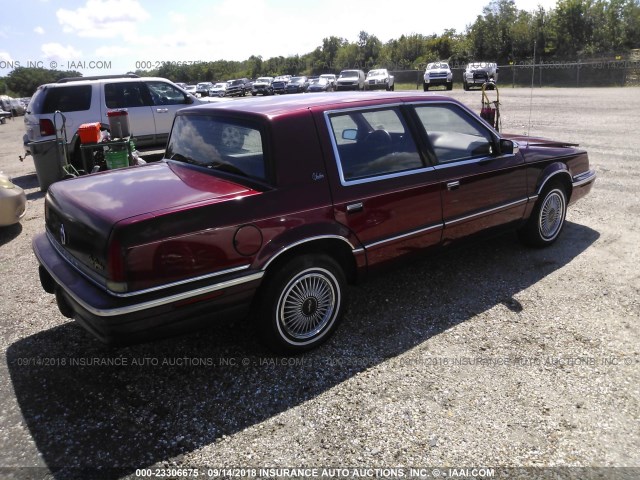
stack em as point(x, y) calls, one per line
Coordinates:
point(116, 36)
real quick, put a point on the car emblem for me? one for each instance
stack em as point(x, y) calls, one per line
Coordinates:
point(63, 235)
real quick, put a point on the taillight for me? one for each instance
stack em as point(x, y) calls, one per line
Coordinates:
point(47, 128)
point(115, 267)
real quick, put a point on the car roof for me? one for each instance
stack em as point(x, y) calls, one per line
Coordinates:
point(282, 105)
point(88, 81)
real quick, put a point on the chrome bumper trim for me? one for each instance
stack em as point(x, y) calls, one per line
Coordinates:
point(584, 178)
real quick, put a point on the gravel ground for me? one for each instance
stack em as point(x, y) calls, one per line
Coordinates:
point(491, 356)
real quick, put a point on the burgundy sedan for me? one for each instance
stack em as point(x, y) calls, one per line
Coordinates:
point(270, 206)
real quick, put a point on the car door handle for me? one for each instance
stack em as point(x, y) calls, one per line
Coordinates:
point(162, 110)
point(453, 185)
point(355, 207)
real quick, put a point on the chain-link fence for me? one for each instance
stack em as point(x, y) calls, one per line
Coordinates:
point(592, 73)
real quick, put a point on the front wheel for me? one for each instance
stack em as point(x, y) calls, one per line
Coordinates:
point(547, 219)
point(425, 86)
point(301, 304)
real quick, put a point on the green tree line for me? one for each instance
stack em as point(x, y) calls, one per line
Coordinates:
point(502, 33)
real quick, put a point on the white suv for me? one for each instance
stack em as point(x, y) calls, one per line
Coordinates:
point(151, 104)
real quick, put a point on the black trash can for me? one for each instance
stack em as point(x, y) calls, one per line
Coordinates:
point(48, 162)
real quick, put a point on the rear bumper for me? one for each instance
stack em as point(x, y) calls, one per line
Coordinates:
point(117, 320)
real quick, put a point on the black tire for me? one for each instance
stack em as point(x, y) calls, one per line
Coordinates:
point(465, 86)
point(301, 303)
point(450, 86)
point(75, 156)
point(425, 87)
point(547, 218)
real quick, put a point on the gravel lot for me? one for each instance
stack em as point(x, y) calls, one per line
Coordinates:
point(491, 356)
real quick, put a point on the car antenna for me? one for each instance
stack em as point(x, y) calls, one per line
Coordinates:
point(533, 71)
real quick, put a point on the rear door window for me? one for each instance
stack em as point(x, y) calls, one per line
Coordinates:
point(126, 95)
point(372, 144)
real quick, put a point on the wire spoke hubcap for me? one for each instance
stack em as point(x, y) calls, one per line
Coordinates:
point(552, 215)
point(308, 304)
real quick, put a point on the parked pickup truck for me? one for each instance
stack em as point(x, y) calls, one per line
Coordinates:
point(379, 79)
point(478, 73)
point(267, 209)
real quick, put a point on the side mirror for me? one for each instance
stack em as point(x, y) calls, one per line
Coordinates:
point(484, 149)
point(188, 100)
point(508, 147)
point(350, 134)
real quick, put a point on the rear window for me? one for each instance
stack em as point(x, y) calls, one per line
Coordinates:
point(218, 144)
point(72, 98)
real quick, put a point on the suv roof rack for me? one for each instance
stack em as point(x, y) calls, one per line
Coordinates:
point(97, 77)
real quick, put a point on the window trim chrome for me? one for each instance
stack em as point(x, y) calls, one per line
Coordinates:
point(457, 163)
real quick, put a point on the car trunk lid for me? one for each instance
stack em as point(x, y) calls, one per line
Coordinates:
point(81, 214)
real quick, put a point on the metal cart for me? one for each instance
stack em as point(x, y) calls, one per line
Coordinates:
point(490, 111)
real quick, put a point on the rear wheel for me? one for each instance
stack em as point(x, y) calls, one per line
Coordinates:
point(301, 304)
point(547, 219)
point(75, 156)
